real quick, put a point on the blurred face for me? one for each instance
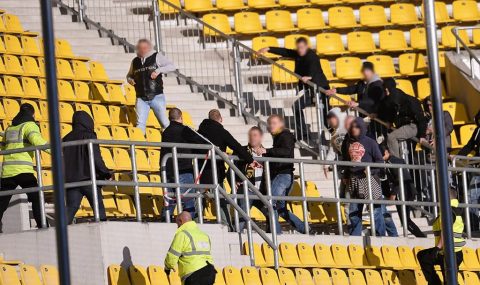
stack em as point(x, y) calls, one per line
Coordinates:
point(332, 122)
point(430, 109)
point(348, 122)
point(143, 48)
point(275, 125)
point(255, 138)
point(367, 74)
point(355, 130)
point(302, 48)
point(386, 155)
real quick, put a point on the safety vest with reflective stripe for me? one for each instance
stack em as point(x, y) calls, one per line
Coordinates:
point(190, 250)
point(20, 136)
point(458, 227)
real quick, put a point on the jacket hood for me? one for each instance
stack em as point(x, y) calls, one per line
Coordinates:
point(341, 116)
point(82, 121)
point(150, 53)
point(24, 115)
point(363, 128)
point(374, 78)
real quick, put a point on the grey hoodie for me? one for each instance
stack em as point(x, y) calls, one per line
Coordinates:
point(338, 135)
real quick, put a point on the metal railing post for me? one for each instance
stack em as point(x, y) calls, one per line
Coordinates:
point(216, 182)
point(233, 186)
point(336, 191)
point(81, 10)
point(249, 224)
point(402, 198)
point(434, 192)
point(199, 200)
point(166, 211)
point(467, 208)
point(372, 205)
point(156, 26)
point(320, 122)
point(178, 194)
point(93, 176)
point(272, 216)
point(41, 194)
point(304, 200)
point(136, 189)
point(237, 57)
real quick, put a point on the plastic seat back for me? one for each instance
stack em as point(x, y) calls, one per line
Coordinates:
point(117, 275)
point(390, 277)
point(403, 14)
point(290, 41)
point(279, 21)
point(13, 86)
point(466, 132)
point(384, 65)
point(449, 40)
point(373, 277)
point(321, 277)
point(248, 23)
point(373, 16)
point(13, 24)
point(157, 275)
point(465, 10)
point(331, 44)
point(374, 256)
point(265, 41)
point(251, 276)
point(30, 46)
point(30, 66)
point(262, 3)
point(269, 276)
point(12, 64)
point(418, 38)
point(348, 67)
point(12, 44)
point(341, 17)
point(339, 277)
point(391, 257)
point(29, 274)
point(198, 5)
point(50, 275)
point(8, 275)
point(289, 254)
point(356, 277)
point(139, 276)
point(97, 71)
point(406, 256)
point(230, 4)
point(412, 64)
point(303, 277)
point(358, 256)
point(101, 115)
point(392, 40)
point(324, 255)
point(218, 21)
point(232, 275)
point(310, 19)
point(406, 86)
point(306, 254)
point(286, 276)
point(280, 76)
point(360, 42)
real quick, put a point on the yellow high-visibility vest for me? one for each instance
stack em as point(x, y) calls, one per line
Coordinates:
point(458, 228)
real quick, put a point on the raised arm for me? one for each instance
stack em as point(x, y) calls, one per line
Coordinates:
point(284, 52)
point(164, 64)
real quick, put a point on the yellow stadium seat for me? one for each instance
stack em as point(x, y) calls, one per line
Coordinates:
point(101, 115)
point(175, 279)
point(228, 5)
point(441, 12)
point(248, 23)
point(286, 276)
point(50, 275)
point(219, 22)
point(11, 108)
point(454, 141)
point(12, 64)
point(330, 44)
point(325, 2)
point(423, 88)
point(339, 277)
point(356, 277)
point(373, 277)
point(392, 258)
point(64, 70)
point(420, 278)
point(384, 66)
point(130, 94)
point(65, 91)
point(465, 10)
point(30, 46)
point(280, 76)
point(470, 259)
point(457, 111)
point(265, 41)
point(99, 92)
point(107, 157)
point(418, 38)
point(390, 277)
point(441, 60)
point(279, 21)
point(103, 133)
point(154, 158)
point(157, 275)
point(83, 107)
point(198, 5)
point(167, 9)
point(404, 14)
point(66, 112)
point(406, 86)
point(393, 40)
point(320, 276)
point(80, 69)
point(471, 277)
point(115, 93)
point(406, 277)
point(2, 46)
point(119, 116)
point(3, 69)
point(3, 92)
point(411, 64)
point(119, 133)
point(135, 134)
point(341, 256)
point(153, 135)
point(268, 254)
point(262, 4)
point(289, 255)
point(117, 275)
point(449, 40)
point(373, 16)
point(290, 40)
point(324, 255)
point(2, 25)
point(358, 256)
point(13, 86)
point(63, 49)
point(13, 25)
point(30, 88)
point(374, 256)
point(138, 275)
point(41, 64)
point(121, 158)
point(310, 19)
point(466, 132)
point(257, 252)
point(29, 275)
point(303, 277)
point(8, 275)
point(348, 68)
point(269, 276)
point(306, 255)
point(98, 71)
point(341, 17)
point(12, 44)
point(250, 276)
point(30, 66)
point(142, 161)
point(327, 69)
point(361, 42)
point(292, 3)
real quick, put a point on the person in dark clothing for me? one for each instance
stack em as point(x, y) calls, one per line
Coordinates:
point(213, 130)
point(405, 113)
point(83, 129)
point(177, 132)
point(307, 65)
point(391, 185)
point(281, 173)
point(474, 141)
point(447, 118)
point(358, 147)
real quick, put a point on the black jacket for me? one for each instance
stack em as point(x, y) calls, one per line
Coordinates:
point(77, 167)
point(401, 109)
point(391, 180)
point(307, 65)
point(216, 133)
point(178, 133)
point(473, 144)
point(145, 87)
point(283, 147)
point(369, 95)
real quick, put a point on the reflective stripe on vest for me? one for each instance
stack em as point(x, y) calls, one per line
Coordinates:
point(194, 248)
point(455, 235)
point(17, 162)
point(14, 136)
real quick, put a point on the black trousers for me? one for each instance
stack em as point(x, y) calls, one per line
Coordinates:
point(74, 199)
point(411, 226)
point(203, 276)
point(24, 180)
point(430, 257)
point(306, 100)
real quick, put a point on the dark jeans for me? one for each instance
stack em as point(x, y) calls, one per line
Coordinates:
point(188, 204)
point(306, 100)
point(203, 276)
point(24, 180)
point(355, 216)
point(74, 199)
point(430, 257)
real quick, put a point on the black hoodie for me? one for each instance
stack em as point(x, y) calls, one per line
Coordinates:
point(24, 115)
point(77, 167)
point(474, 141)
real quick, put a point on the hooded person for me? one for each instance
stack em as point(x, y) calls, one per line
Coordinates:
point(336, 121)
point(17, 168)
point(474, 141)
point(83, 129)
point(358, 147)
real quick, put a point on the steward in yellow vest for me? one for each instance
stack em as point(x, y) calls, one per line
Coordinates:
point(17, 168)
point(430, 257)
point(190, 251)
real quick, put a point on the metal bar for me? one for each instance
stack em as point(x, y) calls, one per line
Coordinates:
point(272, 215)
point(440, 145)
point(402, 198)
point(336, 191)
point(320, 122)
point(156, 26)
point(215, 181)
point(467, 208)
point(304, 201)
point(176, 175)
point(163, 172)
point(238, 77)
point(63, 259)
point(136, 189)
point(93, 177)
point(370, 197)
point(249, 224)
point(434, 192)
point(41, 195)
point(199, 200)
point(233, 186)
point(81, 11)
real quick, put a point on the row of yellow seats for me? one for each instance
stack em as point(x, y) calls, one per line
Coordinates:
point(35, 67)
point(28, 275)
point(339, 17)
point(351, 256)
point(10, 23)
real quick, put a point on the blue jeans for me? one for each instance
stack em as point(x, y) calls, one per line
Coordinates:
point(281, 186)
point(390, 227)
point(159, 107)
point(188, 204)
point(355, 216)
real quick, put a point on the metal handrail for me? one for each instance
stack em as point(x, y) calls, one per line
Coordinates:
point(459, 42)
